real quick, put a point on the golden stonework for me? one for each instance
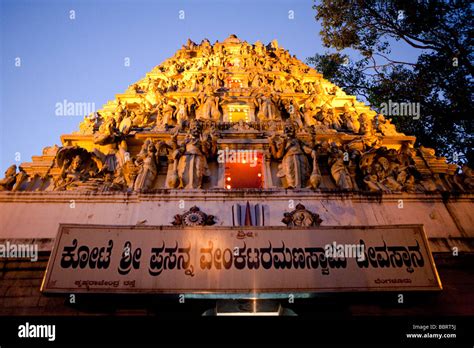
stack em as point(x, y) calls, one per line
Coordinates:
point(166, 130)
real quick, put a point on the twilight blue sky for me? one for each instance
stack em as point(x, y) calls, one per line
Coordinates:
point(82, 60)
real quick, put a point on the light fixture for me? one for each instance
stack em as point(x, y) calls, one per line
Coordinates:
point(228, 187)
point(228, 178)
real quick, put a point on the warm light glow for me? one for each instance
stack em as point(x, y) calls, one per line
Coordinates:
point(238, 112)
point(246, 173)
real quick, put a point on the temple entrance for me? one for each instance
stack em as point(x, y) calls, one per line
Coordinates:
point(243, 169)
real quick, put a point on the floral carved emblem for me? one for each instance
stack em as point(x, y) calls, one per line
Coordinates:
point(193, 217)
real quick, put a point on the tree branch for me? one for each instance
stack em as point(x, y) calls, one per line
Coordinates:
point(394, 61)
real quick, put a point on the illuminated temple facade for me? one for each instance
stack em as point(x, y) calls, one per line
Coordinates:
point(237, 134)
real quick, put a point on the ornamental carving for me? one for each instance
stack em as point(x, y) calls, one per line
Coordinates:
point(301, 217)
point(164, 131)
point(193, 217)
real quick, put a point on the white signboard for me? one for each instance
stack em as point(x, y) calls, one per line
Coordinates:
point(222, 260)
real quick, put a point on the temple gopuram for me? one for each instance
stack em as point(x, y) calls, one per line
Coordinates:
point(243, 138)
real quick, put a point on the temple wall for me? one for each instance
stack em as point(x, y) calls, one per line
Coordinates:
point(36, 215)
